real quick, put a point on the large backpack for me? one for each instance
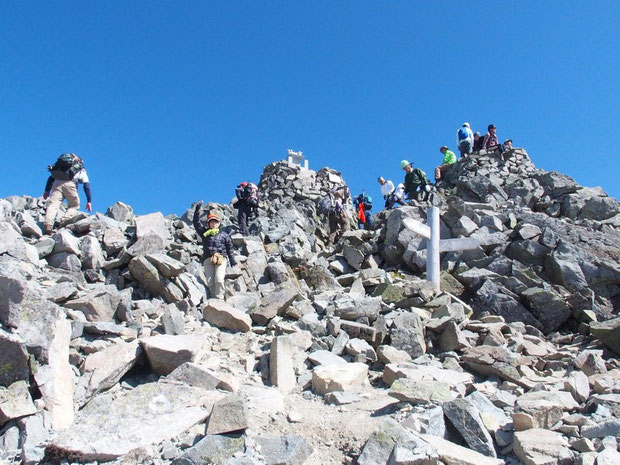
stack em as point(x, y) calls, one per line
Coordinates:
point(326, 205)
point(462, 134)
point(66, 167)
point(250, 194)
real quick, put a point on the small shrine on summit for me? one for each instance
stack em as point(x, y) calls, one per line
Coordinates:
point(297, 159)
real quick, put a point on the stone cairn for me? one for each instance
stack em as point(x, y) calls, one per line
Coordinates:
point(112, 352)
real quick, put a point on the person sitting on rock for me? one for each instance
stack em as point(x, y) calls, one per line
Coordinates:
point(490, 141)
point(478, 140)
point(449, 159)
point(465, 140)
point(217, 248)
point(508, 144)
point(416, 182)
point(66, 174)
point(363, 207)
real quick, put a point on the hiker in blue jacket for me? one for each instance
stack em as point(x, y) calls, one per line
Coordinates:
point(465, 140)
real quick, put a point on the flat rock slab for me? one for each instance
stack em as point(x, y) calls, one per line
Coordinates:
point(15, 402)
point(167, 352)
point(541, 447)
point(220, 314)
point(107, 427)
point(211, 449)
point(453, 454)
point(420, 392)
point(349, 377)
point(284, 450)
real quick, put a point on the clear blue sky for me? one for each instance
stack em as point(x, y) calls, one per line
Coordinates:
point(173, 102)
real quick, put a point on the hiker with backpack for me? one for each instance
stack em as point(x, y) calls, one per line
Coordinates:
point(247, 204)
point(65, 174)
point(416, 183)
point(217, 250)
point(449, 159)
point(465, 140)
point(363, 207)
point(333, 208)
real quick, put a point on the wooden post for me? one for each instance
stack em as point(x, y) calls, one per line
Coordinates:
point(432, 251)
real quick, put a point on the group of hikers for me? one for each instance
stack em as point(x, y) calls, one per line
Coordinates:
point(68, 171)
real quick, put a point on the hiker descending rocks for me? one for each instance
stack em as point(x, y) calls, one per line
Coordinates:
point(490, 139)
point(478, 140)
point(390, 194)
point(65, 175)
point(465, 140)
point(247, 204)
point(416, 183)
point(449, 159)
point(363, 213)
point(217, 250)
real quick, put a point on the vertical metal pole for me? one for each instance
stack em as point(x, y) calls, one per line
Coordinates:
point(432, 250)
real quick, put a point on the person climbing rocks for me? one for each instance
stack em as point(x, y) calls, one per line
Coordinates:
point(389, 193)
point(478, 140)
point(246, 205)
point(465, 140)
point(217, 250)
point(416, 182)
point(396, 197)
point(65, 174)
point(449, 159)
point(337, 220)
point(363, 207)
point(490, 139)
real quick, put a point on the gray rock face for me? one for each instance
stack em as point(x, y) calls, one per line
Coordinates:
point(407, 334)
point(275, 303)
point(284, 450)
point(228, 415)
point(539, 446)
point(152, 223)
point(195, 375)
point(211, 449)
point(108, 427)
point(104, 369)
point(465, 417)
point(13, 360)
point(120, 212)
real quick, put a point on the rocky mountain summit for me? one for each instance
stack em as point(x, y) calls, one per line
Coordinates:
point(111, 350)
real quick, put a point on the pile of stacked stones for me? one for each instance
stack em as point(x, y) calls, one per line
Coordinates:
point(111, 350)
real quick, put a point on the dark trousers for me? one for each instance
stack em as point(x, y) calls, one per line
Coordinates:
point(242, 217)
point(391, 200)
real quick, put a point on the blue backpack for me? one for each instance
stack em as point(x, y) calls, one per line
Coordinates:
point(462, 134)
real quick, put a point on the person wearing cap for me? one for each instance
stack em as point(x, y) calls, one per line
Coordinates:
point(508, 144)
point(416, 181)
point(478, 140)
point(449, 159)
point(465, 139)
point(217, 250)
point(490, 139)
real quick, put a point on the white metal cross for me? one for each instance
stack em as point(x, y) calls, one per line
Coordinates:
point(435, 245)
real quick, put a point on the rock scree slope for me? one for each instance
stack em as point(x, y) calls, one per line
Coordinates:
point(111, 350)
